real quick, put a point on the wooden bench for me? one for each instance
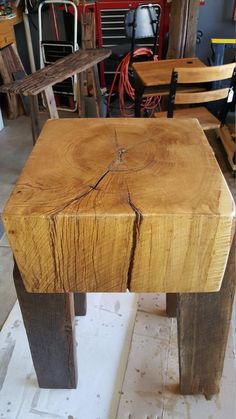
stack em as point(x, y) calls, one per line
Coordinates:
point(42, 81)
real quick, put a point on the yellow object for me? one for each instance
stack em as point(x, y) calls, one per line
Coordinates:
point(223, 41)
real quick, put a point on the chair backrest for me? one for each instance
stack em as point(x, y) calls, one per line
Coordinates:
point(201, 75)
point(143, 22)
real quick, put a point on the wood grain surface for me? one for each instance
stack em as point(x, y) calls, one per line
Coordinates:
point(153, 73)
point(204, 74)
point(206, 119)
point(111, 204)
point(74, 63)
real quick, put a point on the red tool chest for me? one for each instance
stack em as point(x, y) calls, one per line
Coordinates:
point(110, 30)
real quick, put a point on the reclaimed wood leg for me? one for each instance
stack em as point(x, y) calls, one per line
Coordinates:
point(35, 117)
point(203, 326)
point(171, 304)
point(97, 92)
point(80, 302)
point(50, 103)
point(48, 320)
point(80, 95)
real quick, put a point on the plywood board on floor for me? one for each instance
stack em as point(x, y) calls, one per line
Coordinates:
point(118, 379)
point(103, 342)
point(150, 389)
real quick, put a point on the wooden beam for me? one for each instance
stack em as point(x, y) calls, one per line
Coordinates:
point(191, 29)
point(203, 327)
point(183, 28)
point(49, 324)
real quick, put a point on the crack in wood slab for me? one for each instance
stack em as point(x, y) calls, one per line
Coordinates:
point(77, 197)
point(118, 160)
point(136, 231)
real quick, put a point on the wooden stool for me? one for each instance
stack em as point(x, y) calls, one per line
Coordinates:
point(104, 205)
point(153, 78)
point(43, 80)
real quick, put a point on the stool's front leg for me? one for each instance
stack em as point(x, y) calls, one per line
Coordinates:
point(203, 326)
point(49, 323)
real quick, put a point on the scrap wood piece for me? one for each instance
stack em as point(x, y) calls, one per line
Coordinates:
point(88, 38)
point(75, 63)
point(183, 28)
point(10, 65)
point(227, 136)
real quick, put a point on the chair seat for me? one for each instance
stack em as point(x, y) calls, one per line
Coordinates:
point(206, 119)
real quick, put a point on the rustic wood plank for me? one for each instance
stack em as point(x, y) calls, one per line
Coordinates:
point(10, 63)
point(183, 28)
point(177, 29)
point(74, 63)
point(49, 324)
point(88, 39)
point(50, 103)
point(203, 326)
point(35, 117)
point(80, 303)
point(191, 29)
point(97, 92)
point(110, 204)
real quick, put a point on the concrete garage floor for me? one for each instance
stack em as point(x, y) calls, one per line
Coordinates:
point(15, 146)
point(126, 385)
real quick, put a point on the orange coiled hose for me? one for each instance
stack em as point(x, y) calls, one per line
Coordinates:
point(150, 104)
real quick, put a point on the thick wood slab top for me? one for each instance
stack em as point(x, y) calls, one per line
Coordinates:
point(106, 204)
point(154, 73)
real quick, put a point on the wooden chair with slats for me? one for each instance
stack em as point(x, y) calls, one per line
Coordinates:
point(201, 76)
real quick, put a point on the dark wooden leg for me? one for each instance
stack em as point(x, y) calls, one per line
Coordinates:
point(171, 304)
point(139, 90)
point(203, 326)
point(97, 92)
point(80, 301)
point(80, 95)
point(35, 118)
point(49, 324)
